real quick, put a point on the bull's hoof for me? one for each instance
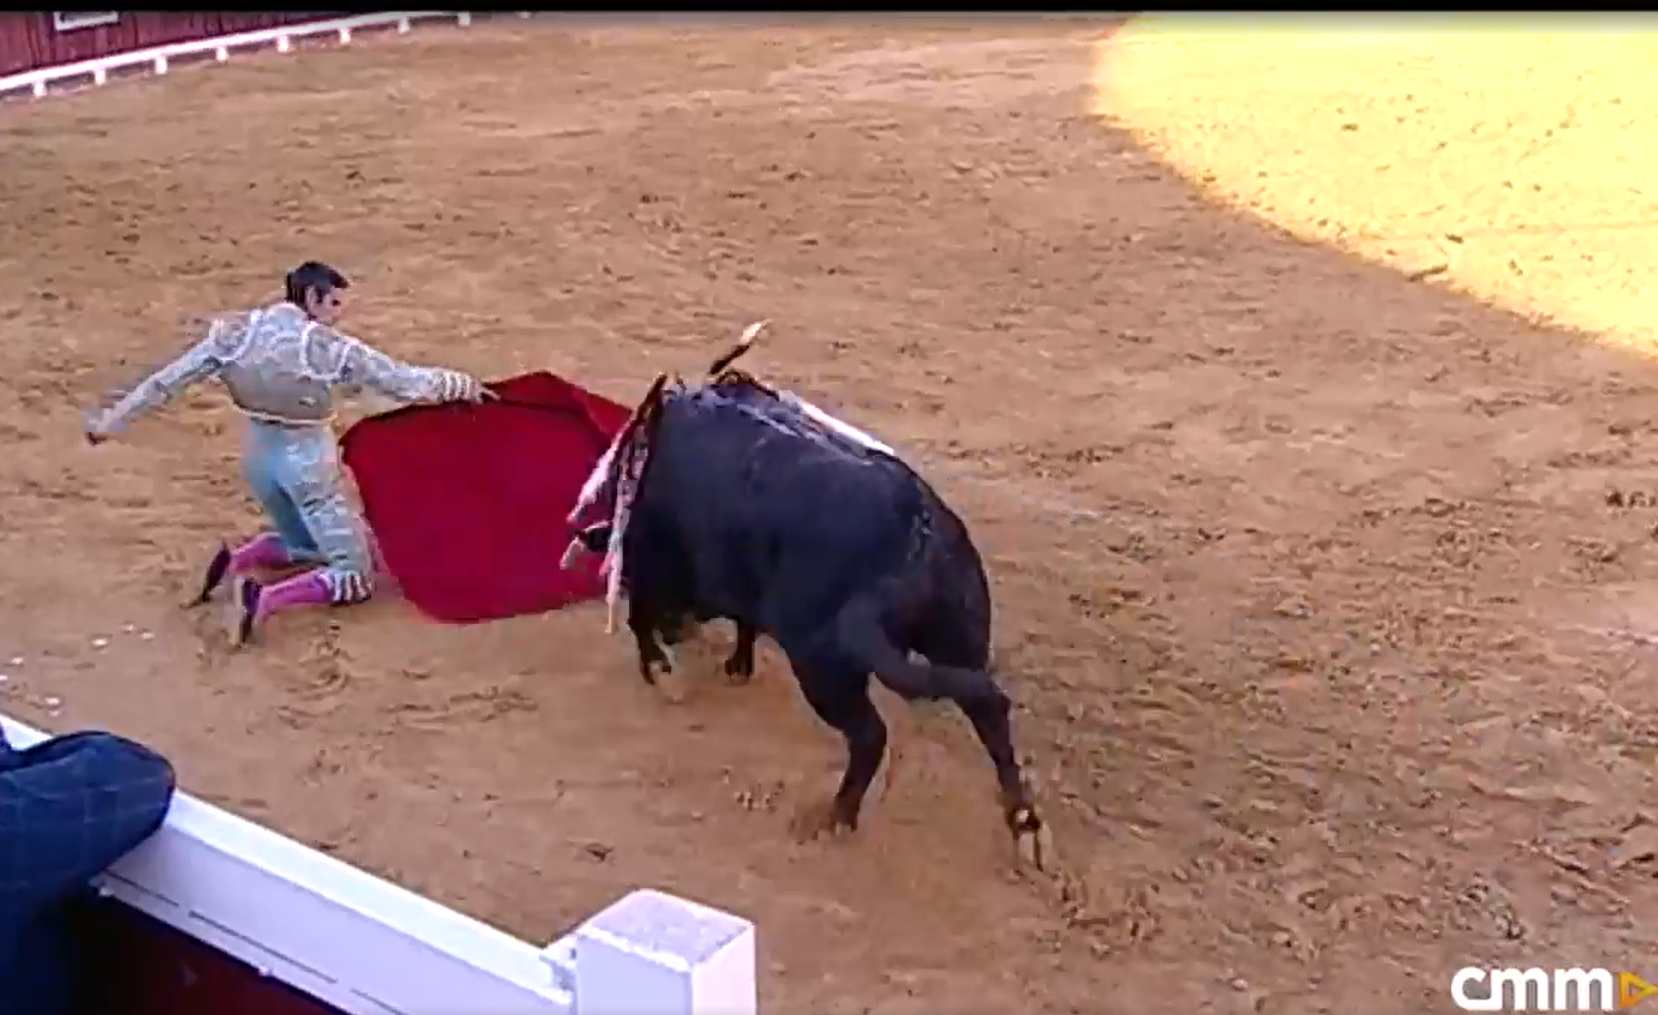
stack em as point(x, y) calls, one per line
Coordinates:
point(739, 671)
point(647, 672)
point(675, 690)
point(657, 657)
point(1033, 838)
point(673, 682)
point(823, 818)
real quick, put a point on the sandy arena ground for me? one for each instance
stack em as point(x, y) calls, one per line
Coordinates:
point(1324, 592)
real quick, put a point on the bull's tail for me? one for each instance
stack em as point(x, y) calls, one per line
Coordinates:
point(985, 704)
point(866, 639)
point(975, 692)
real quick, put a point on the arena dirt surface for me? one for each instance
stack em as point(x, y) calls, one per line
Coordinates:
point(1322, 591)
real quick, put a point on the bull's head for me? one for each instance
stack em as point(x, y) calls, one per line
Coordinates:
point(616, 477)
point(595, 538)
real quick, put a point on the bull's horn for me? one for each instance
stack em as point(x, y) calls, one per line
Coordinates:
point(744, 340)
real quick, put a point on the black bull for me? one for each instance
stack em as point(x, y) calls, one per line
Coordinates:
point(748, 511)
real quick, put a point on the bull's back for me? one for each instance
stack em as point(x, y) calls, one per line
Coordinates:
point(737, 464)
point(769, 517)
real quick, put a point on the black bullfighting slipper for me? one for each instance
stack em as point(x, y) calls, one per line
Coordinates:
point(217, 568)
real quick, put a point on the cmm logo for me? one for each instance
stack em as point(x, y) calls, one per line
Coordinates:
point(1540, 990)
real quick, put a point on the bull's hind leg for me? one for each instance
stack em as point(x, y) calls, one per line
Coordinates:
point(989, 716)
point(840, 697)
point(975, 692)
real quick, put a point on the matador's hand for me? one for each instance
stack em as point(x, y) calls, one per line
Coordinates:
point(95, 432)
point(459, 387)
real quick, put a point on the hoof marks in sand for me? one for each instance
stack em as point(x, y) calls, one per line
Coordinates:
point(815, 820)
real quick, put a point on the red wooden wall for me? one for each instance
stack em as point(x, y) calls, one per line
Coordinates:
point(133, 964)
point(28, 40)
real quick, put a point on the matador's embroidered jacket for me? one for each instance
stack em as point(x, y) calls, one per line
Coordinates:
point(283, 367)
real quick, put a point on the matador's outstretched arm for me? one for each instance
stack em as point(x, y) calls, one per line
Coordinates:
point(364, 365)
point(198, 363)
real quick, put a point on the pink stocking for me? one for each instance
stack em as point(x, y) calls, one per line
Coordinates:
point(264, 550)
point(307, 589)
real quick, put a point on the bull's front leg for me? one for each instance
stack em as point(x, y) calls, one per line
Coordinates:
point(642, 624)
point(739, 669)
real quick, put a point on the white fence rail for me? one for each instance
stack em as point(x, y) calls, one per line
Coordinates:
point(97, 69)
point(365, 945)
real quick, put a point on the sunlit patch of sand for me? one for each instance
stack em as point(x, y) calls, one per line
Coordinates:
point(1511, 158)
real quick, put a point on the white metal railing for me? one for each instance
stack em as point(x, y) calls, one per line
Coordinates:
point(365, 945)
point(157, 57)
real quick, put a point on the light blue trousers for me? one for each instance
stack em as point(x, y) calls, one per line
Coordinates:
point(294, 471)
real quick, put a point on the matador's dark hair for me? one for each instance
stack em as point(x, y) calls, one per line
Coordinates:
point(313, 275)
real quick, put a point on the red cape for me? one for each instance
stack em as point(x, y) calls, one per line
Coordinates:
point(468, 502)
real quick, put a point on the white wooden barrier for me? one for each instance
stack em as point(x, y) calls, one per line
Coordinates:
point(158, 57)
point(365, 945)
